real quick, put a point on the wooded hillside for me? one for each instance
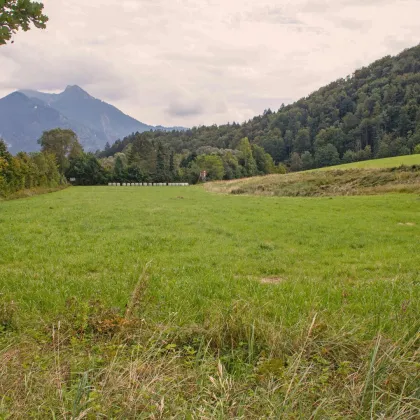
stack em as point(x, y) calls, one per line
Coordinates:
point(373, 113)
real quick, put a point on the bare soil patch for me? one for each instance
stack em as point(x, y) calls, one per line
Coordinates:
point(272, 280)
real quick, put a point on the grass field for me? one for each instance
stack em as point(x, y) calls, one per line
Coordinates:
point(250, 307)
point(392, 162)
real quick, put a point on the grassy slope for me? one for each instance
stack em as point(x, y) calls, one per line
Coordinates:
point(392, 162)
point(325, 183)
point(351, 261)
point(31, 192)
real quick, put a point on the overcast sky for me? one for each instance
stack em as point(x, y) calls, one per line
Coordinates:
point(194, 62)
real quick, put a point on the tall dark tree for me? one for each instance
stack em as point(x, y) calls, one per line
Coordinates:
point(61, 143)
point(161, 173)
point(85, 168)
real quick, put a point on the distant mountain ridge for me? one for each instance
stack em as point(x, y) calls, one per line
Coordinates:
point(25, 114)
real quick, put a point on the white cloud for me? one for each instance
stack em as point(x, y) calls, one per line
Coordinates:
point(193, 62)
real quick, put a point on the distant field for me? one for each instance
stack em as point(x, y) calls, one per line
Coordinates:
point(251, 307)
point(393, 162)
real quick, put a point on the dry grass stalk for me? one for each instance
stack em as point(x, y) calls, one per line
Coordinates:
point(138, 292)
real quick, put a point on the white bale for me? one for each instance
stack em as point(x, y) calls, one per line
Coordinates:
point(118, 184)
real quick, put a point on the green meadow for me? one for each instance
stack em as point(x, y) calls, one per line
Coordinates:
point(169, 302)
point(392, 162)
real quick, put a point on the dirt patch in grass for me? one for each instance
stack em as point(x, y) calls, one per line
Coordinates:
point(272, 280)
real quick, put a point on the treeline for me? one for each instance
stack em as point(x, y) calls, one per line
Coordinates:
point(375, 113)
point(27, 171)
point(142, 161)
point(154, 161)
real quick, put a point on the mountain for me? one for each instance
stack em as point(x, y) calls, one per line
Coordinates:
point(23, 119)
point(25, 114)
point(373, 113)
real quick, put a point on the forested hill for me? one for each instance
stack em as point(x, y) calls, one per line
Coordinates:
point(373, 113)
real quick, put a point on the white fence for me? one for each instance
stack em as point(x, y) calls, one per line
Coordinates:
point(144, 184)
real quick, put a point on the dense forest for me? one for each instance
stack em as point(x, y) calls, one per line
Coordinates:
point(374, 113)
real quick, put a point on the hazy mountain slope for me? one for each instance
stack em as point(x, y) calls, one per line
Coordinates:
point(27, 113)
point(78, 105)
point(23, 120)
